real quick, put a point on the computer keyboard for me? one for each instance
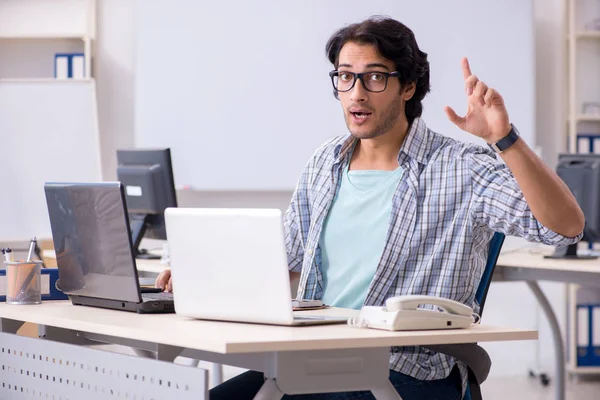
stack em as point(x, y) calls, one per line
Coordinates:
point(157, 296)
point(146, 289)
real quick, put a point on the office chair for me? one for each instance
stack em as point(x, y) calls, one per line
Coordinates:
point(476, 358)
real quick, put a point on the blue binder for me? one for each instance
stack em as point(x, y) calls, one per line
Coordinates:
point(583, 335)
point(69, 57)
point(48, 293)
point(594, 351)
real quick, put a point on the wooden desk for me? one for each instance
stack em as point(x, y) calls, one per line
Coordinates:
point(530, 266)
point(301, 359)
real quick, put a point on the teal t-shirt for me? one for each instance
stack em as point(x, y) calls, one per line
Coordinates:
point(354, 235)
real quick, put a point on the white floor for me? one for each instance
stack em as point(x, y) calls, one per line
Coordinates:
point(521, 387)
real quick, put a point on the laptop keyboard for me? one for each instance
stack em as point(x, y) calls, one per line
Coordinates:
point(157, 296)
point(315, 318)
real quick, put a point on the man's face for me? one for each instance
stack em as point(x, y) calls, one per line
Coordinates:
point(369, 115)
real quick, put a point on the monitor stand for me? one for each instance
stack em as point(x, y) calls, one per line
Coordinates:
point(569, 253)
point(138, 224)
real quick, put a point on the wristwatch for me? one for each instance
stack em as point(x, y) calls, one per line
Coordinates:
point(507, 141)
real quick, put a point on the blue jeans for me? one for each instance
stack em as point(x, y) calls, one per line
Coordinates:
point(246, 385)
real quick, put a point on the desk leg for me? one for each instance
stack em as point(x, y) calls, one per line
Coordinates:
point(269, 391)
point(216, 374)
point(556, 337)
point(388, 392)
point(163, 352)
point(188, 362)
point(144, 353)
point(216, 370)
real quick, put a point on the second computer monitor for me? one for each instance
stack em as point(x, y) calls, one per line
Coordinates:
point(581, 173)
point(147, 175)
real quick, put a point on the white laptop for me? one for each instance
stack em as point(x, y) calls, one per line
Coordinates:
point(231, 265)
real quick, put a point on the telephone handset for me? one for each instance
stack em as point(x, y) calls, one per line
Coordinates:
point(402, 313)
point(411, 302)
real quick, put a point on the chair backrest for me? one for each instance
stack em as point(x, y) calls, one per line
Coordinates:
point(486, 278)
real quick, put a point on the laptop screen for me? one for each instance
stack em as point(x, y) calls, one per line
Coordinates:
point(92, 240)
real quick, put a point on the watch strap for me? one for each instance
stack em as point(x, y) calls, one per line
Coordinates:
point(507, 141)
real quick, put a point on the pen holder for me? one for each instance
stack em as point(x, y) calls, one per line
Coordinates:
point(23, 282)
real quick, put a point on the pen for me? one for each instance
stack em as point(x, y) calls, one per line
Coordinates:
point(31, 248)
point(8, 255)
point(26, 282)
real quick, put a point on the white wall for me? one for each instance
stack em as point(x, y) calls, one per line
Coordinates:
point(509, 304)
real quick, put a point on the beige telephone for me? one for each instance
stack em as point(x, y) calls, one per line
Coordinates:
point(401, 314)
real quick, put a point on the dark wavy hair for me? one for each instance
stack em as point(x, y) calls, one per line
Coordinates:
point(395, 42)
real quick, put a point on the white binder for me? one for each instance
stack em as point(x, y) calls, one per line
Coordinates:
point(78, 67)
point(61, 67)
point(583, 329)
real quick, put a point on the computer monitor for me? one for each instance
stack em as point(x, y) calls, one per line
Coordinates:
point(581, 173)
point(147, 176)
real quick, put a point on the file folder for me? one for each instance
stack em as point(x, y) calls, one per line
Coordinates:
point(69, 66)
point(583, 335)
point(588, 143)
point(595, 335)
point(61, 66)
point(77, 66)
point(49, 290)
point(596, 145)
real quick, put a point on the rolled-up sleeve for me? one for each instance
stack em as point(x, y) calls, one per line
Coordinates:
point(296, 220)
point(499, 203)
point(293, 241)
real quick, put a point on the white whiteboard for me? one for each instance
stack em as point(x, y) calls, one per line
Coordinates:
point(49, 132)
point(254, 132)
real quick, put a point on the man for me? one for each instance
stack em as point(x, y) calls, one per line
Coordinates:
point(395, 209)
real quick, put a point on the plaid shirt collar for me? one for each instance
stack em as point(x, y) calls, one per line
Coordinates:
point(416, 146)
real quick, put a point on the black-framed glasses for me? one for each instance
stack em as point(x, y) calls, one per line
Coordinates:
point(344, 81)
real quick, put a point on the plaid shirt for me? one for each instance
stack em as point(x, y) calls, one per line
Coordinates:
point(449, 202)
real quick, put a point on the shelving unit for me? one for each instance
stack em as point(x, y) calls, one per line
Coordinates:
point(44, 80)
point(37, 29)
point(583, 370)
point(587, 118)
point(578, 295)
point(583, 82)
point(50, 125)
point(583, 66)
point(585, 35)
